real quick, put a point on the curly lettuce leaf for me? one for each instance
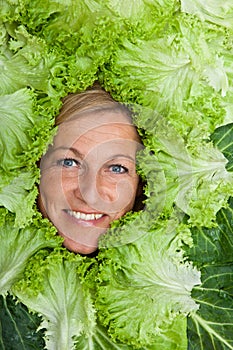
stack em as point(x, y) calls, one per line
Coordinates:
point(214, 11)
point(19, 330)
point(194, 178)
point(99, 340)
point(44, 64)
point(164, 66)
point(174, 339)
point(22, 126)
point(91, 30)
point(26, 129)
point(18, 245)
point(143, 18)
point(16, 121)
point(181, 68)
point(71, 27)
point(27, 60)
point(10, 9)
point(143, 288)
point(176, 70)
point(72, 24)
point(211, 326)
point(129, 9)
point(59, 20)
point(136, 9)
point(19, 197)
point(53, 286)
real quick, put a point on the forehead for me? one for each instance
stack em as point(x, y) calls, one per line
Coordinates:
point(96, 127)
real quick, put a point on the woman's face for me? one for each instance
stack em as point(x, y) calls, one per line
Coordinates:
point(88, 177)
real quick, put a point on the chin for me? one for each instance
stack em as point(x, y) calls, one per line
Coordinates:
point(79, 247)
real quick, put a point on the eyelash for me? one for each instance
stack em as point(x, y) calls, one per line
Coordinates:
point(126, 170)
point(61, 162)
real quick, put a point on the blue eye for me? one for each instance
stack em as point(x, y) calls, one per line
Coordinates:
point(118, 169)
point(68, 163)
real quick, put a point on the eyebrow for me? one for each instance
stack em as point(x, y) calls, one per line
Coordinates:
point(81, 156)
point(72, 149)
point(122, 156)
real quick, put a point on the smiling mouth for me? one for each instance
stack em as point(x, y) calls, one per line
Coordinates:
point(83, 216)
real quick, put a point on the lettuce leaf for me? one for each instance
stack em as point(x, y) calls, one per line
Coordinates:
point(19, 197)
point(143, 18)
point(174, 57)
point(214, 11)
point(195, 178)
point(28, 61)
point(60, 21)
point(18, 245)
point(72, 24)
point(56, 293)
point(177, 69)
point(16, 121)
point(20, 122)
point(64, 27)
point(134, 10)
point(149, 273)
point(53, 286)
point(9, 9)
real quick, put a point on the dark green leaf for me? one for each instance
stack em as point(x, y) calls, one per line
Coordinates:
point(214, 245)
point(18, 327)
point(210, 328)
point(223, 139)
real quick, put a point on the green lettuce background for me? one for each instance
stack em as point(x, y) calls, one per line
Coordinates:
point(163, 277)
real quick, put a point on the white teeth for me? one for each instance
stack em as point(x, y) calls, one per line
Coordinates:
point(83, 216)
point(98, 216)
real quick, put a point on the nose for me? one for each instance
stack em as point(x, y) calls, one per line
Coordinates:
point(95, 191)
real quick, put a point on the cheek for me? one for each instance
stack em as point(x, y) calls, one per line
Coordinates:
point(68, 181)
point(51, 187)
point(127, 191)
point(41, 206)
point(56, 190)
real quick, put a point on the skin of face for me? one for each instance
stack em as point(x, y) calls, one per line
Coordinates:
point(88, 177)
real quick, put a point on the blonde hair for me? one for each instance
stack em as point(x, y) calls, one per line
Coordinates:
point(92, 99)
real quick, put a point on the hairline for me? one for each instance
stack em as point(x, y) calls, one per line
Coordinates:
point(115, 108)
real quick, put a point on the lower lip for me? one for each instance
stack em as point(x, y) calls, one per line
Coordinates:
point(89, 223)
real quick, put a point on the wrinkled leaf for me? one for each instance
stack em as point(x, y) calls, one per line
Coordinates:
point(211, 326)
point(18, 245)
point(18, 327)
point(143, 289)
point(223, 139)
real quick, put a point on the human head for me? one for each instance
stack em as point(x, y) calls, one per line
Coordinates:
point(88, 175)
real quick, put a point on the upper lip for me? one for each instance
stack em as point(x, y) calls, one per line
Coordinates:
point(85, 211)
